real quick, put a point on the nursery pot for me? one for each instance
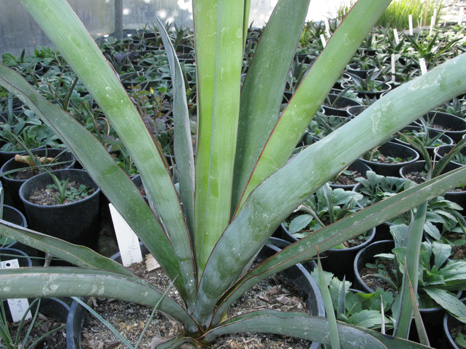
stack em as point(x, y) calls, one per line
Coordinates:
point(430, 316)
point(444, 139)
point(452, 125)
point(449, 323)
point(12, 185)
point(296, 275)
point(444, 149)
point(355, 110)
point(358, 166)
point(335, 260)
point(339, 106)
point(76, 222)
point(396, 150)
point(355, 68)
point(458, 196)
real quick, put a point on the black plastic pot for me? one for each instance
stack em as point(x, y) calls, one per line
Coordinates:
point(337, 261)
point(374, 94)
point(297, 275)
point(76, 222)
point(452, 125)
point(446, 140)
point(456, 196)
point(355, 110)
point(12, 185)
point(444, 149)
point(7, 253)
point(430, 316)
point(13, 215)
point(449, 323)
point(355, 68)
point(340, 104)
point(394, 150)
point(358, 166)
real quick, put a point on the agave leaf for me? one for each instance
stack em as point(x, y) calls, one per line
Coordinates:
point(106, 173)
point(307, 327)
point(340, 231)
point(182, 139)
point(78, 255)
point(262, 92)
point(314, 88)
point(273, 201)
point(69, 35)
point(214, 183)
point(63, 281)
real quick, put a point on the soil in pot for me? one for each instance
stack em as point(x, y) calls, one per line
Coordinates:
point(76, 221)
point(50, 194)
point(388, 158)
point(13, 181)
point(129, 319)
point(417, 173)
point(347, 178)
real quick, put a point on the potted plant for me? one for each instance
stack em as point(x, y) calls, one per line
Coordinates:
point(243, 183)
point(453, 126)
point(63, 203)
point(459, 158)
point(323, 208)
point(429, 137)
point(370, 310)
point(22, 167)
point(388, 158)
point(382, 264)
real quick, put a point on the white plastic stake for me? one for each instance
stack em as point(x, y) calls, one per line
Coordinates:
point(432, 23)
point(460, 17)
point(393, 67)
point(395, 34)
point(422, 63)
point(322, 38)
point(18, 306)
point(127, 240)
point(327, 27)
point(410, 20)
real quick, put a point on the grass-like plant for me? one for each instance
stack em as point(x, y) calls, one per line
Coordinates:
point(396, 15)
point(236, 186)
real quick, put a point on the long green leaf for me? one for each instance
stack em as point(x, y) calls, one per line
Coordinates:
point(274, 200)
point(447, 301)
point(329, 309)
point(213, 210)
point(64, 29)
point(342, 230)
point(183, 145)
point(307, 327)
point(78, 255)
point(403, 310)
point(314, 88)
point(205, 24)
point(261, 96)
point(68, 281)
point(116, 185)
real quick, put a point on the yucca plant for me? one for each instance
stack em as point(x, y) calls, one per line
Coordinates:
point(238, 184)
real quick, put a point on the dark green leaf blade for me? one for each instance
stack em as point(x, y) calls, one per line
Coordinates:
point(307, 327)
point(262, 92)
point(63, 282)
